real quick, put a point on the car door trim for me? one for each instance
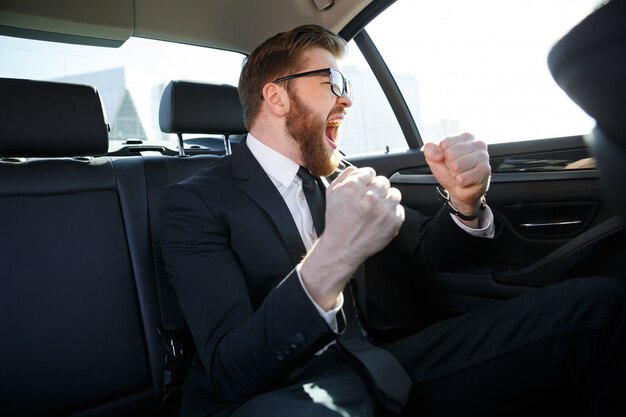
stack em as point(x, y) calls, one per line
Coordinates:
point(555, 224)
point(429, 179)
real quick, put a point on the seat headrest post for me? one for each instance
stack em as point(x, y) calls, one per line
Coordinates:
point(227, 149)
point(181, 145)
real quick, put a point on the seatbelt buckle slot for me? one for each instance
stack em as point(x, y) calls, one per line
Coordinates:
point(173, 342)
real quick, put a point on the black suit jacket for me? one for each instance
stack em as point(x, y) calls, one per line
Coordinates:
point(230, 247)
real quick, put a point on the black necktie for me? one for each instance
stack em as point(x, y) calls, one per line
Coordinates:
point(314, 198)
point(392, 383)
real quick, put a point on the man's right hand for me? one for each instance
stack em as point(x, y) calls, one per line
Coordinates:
point(362, 215)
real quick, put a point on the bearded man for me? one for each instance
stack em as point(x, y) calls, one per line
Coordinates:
point(266, 261)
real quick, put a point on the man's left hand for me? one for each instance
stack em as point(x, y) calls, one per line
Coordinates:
point(461, 165)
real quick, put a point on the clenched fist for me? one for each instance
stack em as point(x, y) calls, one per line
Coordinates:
point(362, 211)
point(362, 215)
point(461, 165)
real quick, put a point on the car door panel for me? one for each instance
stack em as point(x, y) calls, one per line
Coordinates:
point(554, 225)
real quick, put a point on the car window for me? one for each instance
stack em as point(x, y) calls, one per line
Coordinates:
point(130, 78)
point(477, 66)
point(370, 125)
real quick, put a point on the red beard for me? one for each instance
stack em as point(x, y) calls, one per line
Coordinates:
point(308, 132)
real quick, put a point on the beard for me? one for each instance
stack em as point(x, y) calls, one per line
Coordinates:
point(308, 131)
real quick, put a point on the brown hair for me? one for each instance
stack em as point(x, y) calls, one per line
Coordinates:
point(278, 56)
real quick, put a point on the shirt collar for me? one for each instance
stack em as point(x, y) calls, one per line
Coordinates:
point(275, 164)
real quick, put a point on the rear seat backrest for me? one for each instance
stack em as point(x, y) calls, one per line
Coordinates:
point(71, 318)
point(78, 300)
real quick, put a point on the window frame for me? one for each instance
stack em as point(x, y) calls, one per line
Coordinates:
point(391, 89)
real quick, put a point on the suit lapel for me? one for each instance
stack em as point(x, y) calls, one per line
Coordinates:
point(258, 186)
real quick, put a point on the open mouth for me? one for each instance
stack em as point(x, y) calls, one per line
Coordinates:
point(332, 132)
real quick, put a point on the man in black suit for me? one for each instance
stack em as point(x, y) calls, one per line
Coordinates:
point(265, 275)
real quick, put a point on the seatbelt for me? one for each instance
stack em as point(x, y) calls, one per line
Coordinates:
point(393, 385)
point(173, 331)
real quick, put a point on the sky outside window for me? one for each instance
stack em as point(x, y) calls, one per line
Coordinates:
point(480, 66)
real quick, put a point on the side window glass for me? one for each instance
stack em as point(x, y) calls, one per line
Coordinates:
point(480, 67)
point(370, 125)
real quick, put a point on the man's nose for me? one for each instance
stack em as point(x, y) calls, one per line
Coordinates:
point(344, 101)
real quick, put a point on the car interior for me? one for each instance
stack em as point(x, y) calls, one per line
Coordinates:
point(92, 325)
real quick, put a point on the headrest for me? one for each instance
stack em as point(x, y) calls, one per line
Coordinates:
point(49, 119)
point(189, 107)
point(589, 64)
point(611, 156)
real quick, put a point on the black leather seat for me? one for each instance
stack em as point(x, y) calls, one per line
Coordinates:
point(74, 311)
point(589, 63)
point(188, 107)
point(81, 270)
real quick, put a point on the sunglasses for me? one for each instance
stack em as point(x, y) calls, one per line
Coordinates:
point(338, 83)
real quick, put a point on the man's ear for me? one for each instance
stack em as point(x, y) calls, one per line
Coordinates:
point(276, 99)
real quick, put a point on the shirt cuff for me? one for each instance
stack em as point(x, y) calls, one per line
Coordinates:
point(486, 227)
point(329, 316)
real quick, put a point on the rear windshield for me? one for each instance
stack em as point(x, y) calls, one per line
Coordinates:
point(130, 78)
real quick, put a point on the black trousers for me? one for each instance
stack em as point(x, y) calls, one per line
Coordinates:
point(559, 349)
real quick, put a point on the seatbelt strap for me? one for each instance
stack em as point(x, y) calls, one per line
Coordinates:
point(392, 383)
point(156, 182)
point(172, 329)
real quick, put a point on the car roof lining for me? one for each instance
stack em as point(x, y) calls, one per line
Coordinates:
point(236, 25)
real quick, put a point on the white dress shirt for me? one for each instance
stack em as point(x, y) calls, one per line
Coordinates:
point(283, 173)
